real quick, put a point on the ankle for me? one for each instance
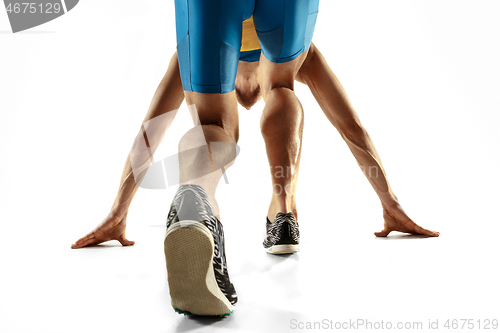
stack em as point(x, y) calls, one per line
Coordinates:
point(285, 206)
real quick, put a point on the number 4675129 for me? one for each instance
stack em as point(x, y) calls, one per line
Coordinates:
point(27, 7)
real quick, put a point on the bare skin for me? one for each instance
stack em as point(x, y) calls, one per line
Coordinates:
point(330, 95)
point(167, 99)
point(215, 139)
point(334, 102)
point(281, 126)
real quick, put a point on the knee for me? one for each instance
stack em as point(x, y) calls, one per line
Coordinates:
point(205, 134)
point(277, 89)
point(280, 95)
point(221, 130)
point(232, 131)
point(279, 75)
point(274, 81)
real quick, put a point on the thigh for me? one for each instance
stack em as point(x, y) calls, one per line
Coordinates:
point(285, 27)
point(209, 41)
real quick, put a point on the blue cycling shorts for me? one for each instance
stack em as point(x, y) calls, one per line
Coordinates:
point(209, 37)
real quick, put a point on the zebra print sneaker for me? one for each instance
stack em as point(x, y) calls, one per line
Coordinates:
point(196, 262)
point(282, 235)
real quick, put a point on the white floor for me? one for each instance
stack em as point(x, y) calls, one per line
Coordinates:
point(339, 275)
point(424, 81)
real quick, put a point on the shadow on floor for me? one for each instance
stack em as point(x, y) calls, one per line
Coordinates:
point(400, 237)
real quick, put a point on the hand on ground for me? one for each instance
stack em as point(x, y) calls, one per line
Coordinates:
point(112, 228)
point(395, 219)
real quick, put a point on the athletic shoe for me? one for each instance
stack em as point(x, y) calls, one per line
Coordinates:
point(196, 262)
point(282, 235)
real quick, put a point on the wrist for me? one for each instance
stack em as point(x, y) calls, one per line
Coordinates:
point(119, 210)
point(389, 200)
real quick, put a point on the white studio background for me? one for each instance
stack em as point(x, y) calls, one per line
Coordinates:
point(423, 77)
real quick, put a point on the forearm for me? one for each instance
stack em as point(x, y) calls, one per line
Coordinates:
point(336, 106)
point(162, 110)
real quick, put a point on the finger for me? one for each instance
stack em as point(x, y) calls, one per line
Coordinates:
point(382, 233)
point(79, 243)
point(413, 227)
point(85, 238)
point(125, 242)
point(423, 231)
point(90, 241)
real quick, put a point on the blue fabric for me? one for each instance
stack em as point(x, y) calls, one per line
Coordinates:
point(250, 56)
point(185, 63)
point(285, 27)
point(209, 37)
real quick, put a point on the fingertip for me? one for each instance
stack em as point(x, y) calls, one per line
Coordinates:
point(431, 233)
point(126, 242)
point(383, 233)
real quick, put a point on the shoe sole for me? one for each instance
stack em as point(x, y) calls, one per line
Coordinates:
point(189, 249)
point(283, 249)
